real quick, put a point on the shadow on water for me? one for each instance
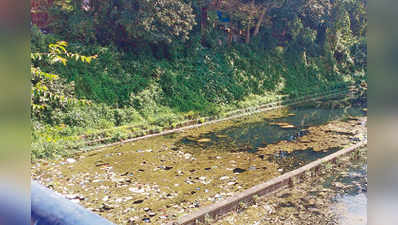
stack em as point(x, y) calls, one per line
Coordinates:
point(246, 135)
point(291, 161)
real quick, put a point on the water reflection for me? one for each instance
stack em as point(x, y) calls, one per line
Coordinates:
point(288, 125)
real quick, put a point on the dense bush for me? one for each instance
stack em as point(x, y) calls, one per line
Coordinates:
point(155, 66)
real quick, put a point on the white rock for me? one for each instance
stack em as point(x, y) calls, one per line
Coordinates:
point(187, 156)
point(268, 208)
point(136, 190)
point(70, 160)
point(224, 178)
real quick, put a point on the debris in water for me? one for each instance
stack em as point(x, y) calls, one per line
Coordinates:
point(224, 178)
point(288, 126)
point(238, 170)
point(136, 190)
point(204, 140)
point(187, 156)
point(168, 168)
point(252, 168)
point(101, 163)
point(138, 201)
point(106, 207)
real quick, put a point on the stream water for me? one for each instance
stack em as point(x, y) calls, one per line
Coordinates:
point(159, 179)
point(338, 196)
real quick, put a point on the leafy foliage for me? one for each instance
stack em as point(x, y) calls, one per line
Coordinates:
point(124, 21)
point(49, 91)
point(155, 66)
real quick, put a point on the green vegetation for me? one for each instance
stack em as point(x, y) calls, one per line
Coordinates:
point(149, 65)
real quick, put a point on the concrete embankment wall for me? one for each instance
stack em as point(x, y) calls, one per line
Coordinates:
point(286, 180)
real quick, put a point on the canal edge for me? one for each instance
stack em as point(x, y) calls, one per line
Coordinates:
point(231, 115)
point(289, 179)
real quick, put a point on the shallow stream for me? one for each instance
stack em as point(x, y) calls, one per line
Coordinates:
point(156, 180)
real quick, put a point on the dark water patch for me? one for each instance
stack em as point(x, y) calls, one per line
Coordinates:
point(291, 161)
point(247, 134)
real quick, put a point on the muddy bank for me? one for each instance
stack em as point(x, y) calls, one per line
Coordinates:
point(338, 196)
point(157, 180)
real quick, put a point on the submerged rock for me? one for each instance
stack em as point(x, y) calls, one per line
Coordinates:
point(138, 201)
point(238, 170)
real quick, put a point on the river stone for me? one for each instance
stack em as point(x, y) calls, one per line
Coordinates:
point(70, 160)
point(239, 170)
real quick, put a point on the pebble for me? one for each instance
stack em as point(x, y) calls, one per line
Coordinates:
point(136, 190)
point(187, 156)
point(146, 220)
point(70, 160)
point(252, 168)
point(224, 178)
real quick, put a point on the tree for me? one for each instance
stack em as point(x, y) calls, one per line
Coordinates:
point(49, 91)
point(120, 20)
point(265, 6)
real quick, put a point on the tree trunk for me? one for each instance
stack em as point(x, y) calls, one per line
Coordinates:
point(203, 19)
point(260, 21)
point(248, 34)
point(203, 24)
point(249, 23)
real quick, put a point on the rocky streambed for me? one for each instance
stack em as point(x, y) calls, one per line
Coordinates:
point(156, 180)
point(338, 196)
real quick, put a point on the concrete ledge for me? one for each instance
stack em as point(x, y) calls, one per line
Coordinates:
point(221, 208)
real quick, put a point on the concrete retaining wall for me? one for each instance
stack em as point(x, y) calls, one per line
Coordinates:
point(289, 179)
